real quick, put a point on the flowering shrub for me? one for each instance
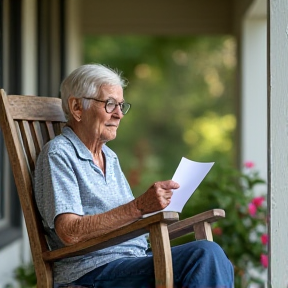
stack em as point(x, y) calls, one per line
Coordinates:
point(242, 233)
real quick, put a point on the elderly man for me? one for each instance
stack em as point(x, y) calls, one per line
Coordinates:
point(82, 193)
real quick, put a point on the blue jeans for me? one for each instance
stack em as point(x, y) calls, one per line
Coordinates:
point(196, 264)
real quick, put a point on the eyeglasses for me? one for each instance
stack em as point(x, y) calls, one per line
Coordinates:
point(111, 104)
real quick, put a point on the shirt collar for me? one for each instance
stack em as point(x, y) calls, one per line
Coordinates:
point(80, 148)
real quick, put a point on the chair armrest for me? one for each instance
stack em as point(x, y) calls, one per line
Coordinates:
point(115, 237)
point(196, 224)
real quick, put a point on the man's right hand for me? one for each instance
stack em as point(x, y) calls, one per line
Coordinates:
point(157, 197)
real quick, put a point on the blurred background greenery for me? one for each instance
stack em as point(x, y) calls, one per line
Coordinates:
point(182, 95)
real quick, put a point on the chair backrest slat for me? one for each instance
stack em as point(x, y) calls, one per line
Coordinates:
point(50, 130)
point(28, 143)
point(37, 136)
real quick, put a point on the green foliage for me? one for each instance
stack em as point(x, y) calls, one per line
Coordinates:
point(239, 233)
point(182, 93)
point(25, 276)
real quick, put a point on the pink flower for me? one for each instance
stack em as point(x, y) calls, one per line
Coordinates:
point(252, 209)
point(264, 260)
point(249, 164)
point(257, 201)
point(264, 239)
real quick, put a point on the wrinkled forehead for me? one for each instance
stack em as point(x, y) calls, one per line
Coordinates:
point(111, 91)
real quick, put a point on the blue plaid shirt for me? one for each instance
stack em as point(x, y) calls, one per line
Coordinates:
point(68, 181)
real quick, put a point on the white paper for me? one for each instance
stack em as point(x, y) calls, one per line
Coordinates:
point(189, 175)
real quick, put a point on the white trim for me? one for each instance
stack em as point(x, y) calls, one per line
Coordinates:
point(73, 39)
point(29, 47)
point(278, 142)
point(254, 93)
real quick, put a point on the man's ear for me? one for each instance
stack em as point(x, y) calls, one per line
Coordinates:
point(75, 107)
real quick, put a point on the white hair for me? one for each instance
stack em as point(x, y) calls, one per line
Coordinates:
point(86, 81)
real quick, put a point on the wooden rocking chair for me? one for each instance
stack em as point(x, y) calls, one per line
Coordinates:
point(27, 123)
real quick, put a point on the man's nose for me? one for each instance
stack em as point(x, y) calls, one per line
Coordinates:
point(118, 111)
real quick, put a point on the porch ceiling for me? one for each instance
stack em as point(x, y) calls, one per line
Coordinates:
point(160, 17)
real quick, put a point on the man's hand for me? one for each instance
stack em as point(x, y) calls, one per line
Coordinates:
point(157, 197)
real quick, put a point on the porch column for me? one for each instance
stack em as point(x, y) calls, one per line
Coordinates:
point(278, 141)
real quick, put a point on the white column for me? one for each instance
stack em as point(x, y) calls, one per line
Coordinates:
point(278, 142)
point(73, 38)
point(254, 93)
point(29, 47)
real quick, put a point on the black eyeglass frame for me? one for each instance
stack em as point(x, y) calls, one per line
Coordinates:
point(121, 104)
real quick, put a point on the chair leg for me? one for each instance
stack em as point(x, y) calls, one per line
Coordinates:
point(162, 258)
point(203, 231)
